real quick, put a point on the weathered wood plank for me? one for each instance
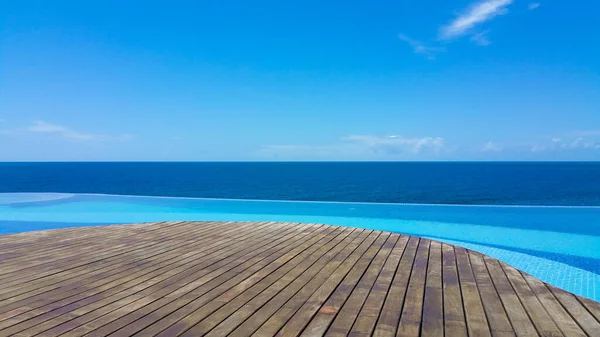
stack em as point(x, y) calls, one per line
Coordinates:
point(343, 322)
point(593, 307)
point(242, 292)
point(228, 302)
point(387, 324)
point(412, 312)
point(87, 310)
point(514, 309)
point(562, 318)
point(296, 324)
point(496, 315)
point(582, 316)
point(269, 279)
point(146, 311)
point(20, 271)
point(454, 314)
point(477, 322)
point(55, 299)
point(73, 286)
point(283, 314)
point(538, 315)
point(99, 271)
point(433, 307)
point(367, 319)
point(255, 312)
point(327, 313)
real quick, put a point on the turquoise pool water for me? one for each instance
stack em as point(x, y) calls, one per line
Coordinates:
point(560, 245)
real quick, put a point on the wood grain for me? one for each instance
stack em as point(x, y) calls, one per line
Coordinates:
point(269, 279)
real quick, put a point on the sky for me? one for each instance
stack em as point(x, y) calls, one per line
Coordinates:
point(294, 80)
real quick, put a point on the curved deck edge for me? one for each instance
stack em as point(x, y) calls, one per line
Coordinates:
point(270, 278)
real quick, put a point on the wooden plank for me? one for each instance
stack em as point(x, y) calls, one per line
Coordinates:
point(189, 272)
point(248, 318)
point(64, 257)
point(65, 288)
point(343, 322)
point(238, 295)
point(538, 315)
point(454, 314)
point(283, 314)
point(57, 305)
point(367, 318)
point(591, 306)
point(80, 264)
point(412, 312)
point(50, 296)
point(104, 288)
point(433, 307)
point(327, 313)
point(135, 306)
point(43, 249)
point(517, 314)
point(147, 311)
point(64, 277)
point(580, 314)
point(389, 317)
point(52, 240)
point(477, 323)
point(276, 303)
point(562, 318)
point(266, 279)
point(296, 324)
point(496, 315)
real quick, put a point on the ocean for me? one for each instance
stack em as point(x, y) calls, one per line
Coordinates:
point(468, 183)
point(559, 245)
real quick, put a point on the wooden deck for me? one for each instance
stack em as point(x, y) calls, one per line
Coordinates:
point(266, 279)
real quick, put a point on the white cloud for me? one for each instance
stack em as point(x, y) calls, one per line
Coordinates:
point(491, 147)
point(474, 15)
point(533, 6)
point(420, 48)
point(538, 148)
point(477, 13)
point(556, 144)
point(361, 146)
point(481, 39)
point(395, 144)
point(44, 127)
point(64, 132)
point(581, 143)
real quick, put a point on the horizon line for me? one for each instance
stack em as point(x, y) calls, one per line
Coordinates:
point(296, 161)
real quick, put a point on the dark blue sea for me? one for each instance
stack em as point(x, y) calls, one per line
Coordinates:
point(491, 183)
point(494, 183)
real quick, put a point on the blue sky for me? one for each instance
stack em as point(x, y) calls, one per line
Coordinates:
point(299, 80)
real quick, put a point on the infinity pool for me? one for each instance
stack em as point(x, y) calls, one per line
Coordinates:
point(559, 245)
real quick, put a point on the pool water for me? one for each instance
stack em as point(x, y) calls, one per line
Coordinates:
point(559, 245)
